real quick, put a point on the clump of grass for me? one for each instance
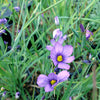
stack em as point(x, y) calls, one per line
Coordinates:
point(23, 53)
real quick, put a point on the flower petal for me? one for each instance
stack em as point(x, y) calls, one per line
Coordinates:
point(82, 28)
point(42, 80)
point(70, 98)
point(57, 33)
point(52, 76)
point(63, 75)
point(48, 88)
point(91, 33)
point(63, 66)
point(53, 42)
point(67, 50)
point(53, 56)
point(55, 62)
point(2, 31)
point(48, 47)
point(87, 61)
point(61, 39)
point(17, 9)
point(64, 37)
point(87, 34)
point(3, 21)
point(69, 59)
point(56, 20)
point(58, 48)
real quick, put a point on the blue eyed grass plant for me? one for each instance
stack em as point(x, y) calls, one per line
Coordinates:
point(27, 56)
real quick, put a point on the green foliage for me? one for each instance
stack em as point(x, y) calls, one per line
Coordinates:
point(38, 30)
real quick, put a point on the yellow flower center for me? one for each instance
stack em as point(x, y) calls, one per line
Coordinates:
point(53, 82)
point(59, 58)
point(2, 88)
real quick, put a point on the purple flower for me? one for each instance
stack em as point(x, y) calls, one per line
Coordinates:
point(56, 20)
point(57, 33)
point(5, 42)
point(82, 28)
point(61, 55)
point(42, 15)
point(43, 98)
point(87, 76)
point(87, 61)
point(2, 31)
point(17, 95)
point(53, 42)
point(18, 31)
point(18, 46)
point(9, 47)
point(3, 21)
point(4, 94)
point(17, 9)
point(50, 81)
point(70, 98)
point(90, 56)
point(88, 34)
point(79, 44)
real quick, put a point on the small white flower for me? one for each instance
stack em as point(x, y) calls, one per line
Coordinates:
point(2, 88)
point(56, 20)
point(17, 95)
point(57, 33)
